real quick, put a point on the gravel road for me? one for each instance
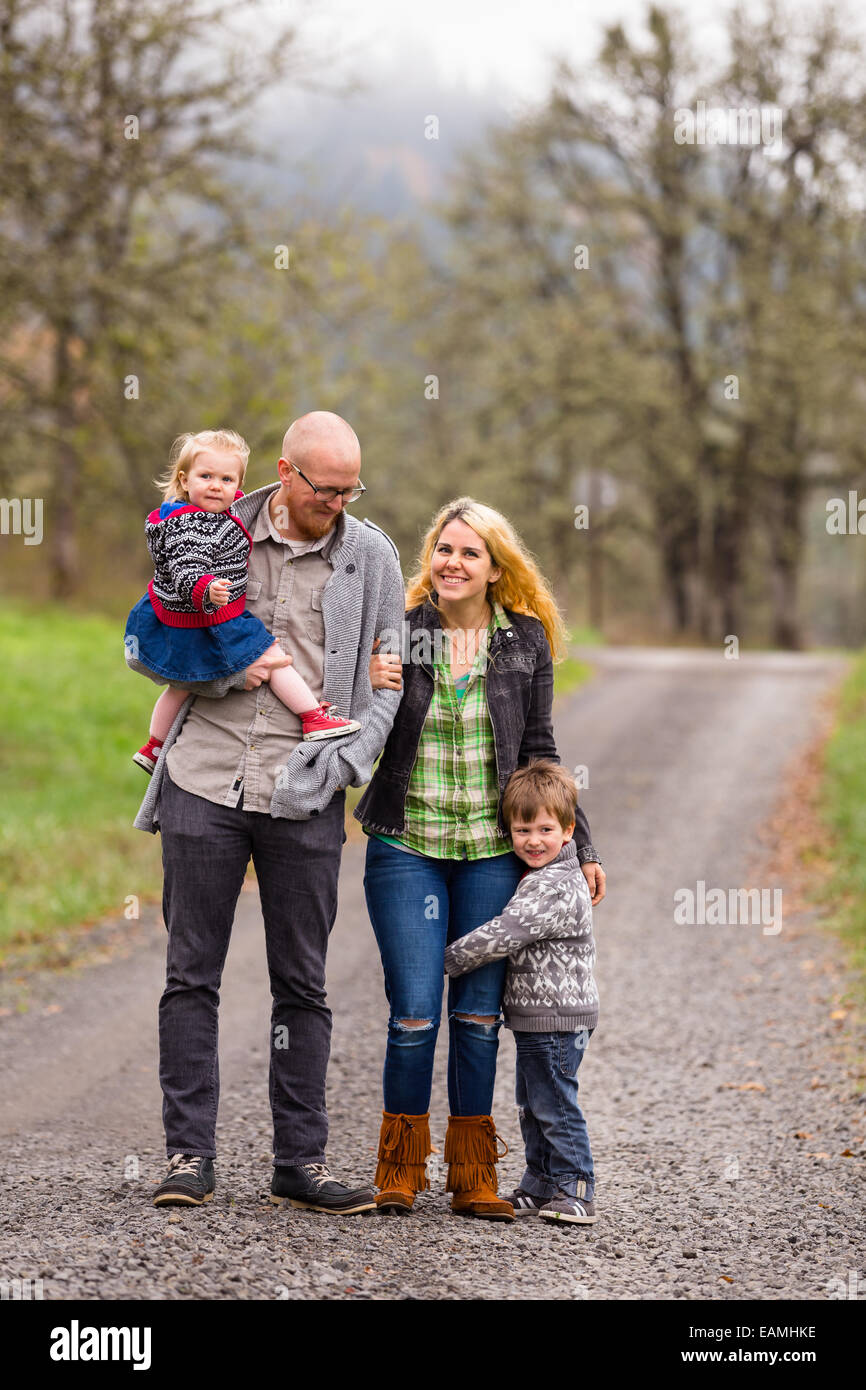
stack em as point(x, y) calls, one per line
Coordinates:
point(721, 1095)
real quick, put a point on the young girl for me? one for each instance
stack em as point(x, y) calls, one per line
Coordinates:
point(191, 625)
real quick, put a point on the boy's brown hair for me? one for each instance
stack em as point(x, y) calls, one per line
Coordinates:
point(540, 786)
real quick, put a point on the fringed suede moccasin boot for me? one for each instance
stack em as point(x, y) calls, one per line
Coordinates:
point(470, 1152)
point(404, 1143)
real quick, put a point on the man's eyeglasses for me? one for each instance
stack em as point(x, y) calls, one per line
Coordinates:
point(328, 494)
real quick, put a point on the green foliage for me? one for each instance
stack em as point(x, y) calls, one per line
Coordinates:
point(116, 238)
point(843, 802)
point(706, 263)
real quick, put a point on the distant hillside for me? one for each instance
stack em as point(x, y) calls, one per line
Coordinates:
point(369, 148)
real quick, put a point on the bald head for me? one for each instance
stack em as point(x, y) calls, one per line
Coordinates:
point(321, 439)
point(321, 455)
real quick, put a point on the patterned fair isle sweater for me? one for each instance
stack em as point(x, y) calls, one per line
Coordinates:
point(190, 547)
point(546, 931)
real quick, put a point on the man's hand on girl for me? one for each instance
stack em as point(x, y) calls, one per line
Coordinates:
point(269, 661)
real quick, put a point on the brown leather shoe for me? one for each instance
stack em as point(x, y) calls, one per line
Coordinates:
point(471, 1155)
point(404, 1143)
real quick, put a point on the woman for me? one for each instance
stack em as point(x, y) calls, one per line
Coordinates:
point(478, 688)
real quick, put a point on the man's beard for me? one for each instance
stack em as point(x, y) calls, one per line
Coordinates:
point(314, 528)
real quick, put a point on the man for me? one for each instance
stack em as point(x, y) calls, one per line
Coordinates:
point(234, 780)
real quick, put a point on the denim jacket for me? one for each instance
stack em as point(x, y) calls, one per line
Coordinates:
point(519, 698)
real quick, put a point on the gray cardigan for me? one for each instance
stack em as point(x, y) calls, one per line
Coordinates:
point(546, 931)
point(363, 598)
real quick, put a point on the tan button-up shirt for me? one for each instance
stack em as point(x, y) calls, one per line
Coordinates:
point(231, 750)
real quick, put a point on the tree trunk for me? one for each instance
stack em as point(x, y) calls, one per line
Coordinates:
point(595, 553)
point(730, 536)
point(676, 530)
point(64, 499)
point(786, 550)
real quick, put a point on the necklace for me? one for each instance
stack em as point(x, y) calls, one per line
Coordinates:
point(465, 630)
point(485, 623)
point(458, 638)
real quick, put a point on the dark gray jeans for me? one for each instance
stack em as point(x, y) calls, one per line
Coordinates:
point(205, 851)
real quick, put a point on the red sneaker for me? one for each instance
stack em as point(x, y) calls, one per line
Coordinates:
point(318, 723)
point(146, 757)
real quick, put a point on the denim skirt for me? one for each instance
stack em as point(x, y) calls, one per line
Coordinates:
point(192, 653)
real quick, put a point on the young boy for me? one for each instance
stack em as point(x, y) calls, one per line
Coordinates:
point(551, 1000)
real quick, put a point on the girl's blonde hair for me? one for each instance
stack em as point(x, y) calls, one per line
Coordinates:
point(186, 449)
point(521, 587)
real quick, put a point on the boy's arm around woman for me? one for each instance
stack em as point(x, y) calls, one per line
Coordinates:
point(549, 903)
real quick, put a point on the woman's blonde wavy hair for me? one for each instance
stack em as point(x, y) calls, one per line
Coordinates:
point(521, 587)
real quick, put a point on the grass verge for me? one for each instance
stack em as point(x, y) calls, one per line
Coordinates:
point(842, 806)
point(73, 714)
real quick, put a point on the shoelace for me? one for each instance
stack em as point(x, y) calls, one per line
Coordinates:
point(396, 1129)
point(319, 1173)
point(183, 1163)
point(488, 1124)
point(329, 711)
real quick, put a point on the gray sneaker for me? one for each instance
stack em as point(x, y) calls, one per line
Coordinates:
point(576, 1210)
point(524, 1203)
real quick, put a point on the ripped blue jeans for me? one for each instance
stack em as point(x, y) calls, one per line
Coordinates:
point(417, 905)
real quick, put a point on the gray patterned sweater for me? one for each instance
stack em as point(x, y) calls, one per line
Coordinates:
point(546, 931)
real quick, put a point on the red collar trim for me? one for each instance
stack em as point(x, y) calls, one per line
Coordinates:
point(155, 519)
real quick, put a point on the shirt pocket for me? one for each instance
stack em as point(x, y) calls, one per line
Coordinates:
point(518, 664)
point(315, 618)
point(254, 588)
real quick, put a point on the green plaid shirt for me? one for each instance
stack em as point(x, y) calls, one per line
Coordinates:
point(453, 794)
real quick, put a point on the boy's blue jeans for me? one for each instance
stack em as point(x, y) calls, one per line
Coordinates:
point(558, 1156)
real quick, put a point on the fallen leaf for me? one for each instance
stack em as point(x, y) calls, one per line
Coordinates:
point(727, 1278)
point(742, 1086)
point(839, 1013)
point(803, 1134)
point(848, 1153)
point(822, 1155)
